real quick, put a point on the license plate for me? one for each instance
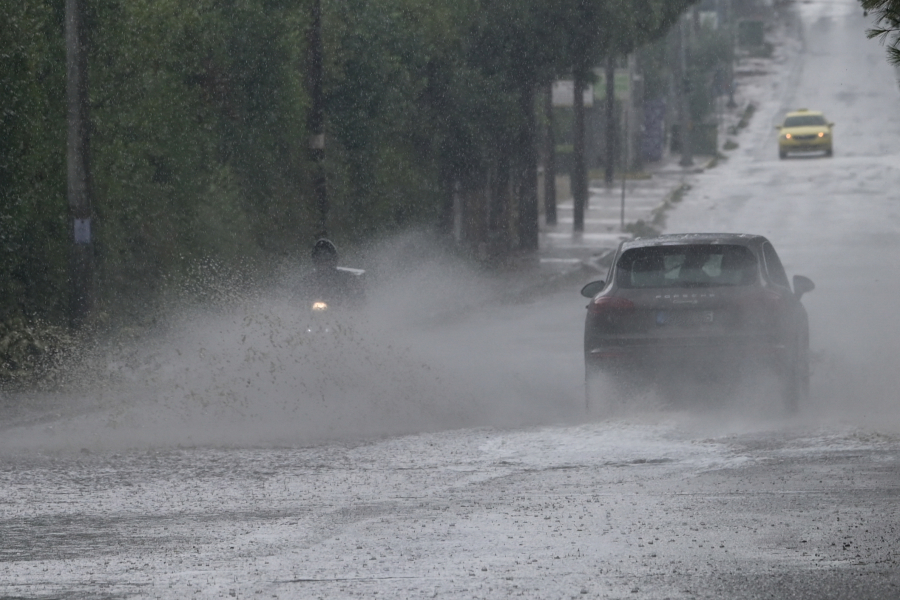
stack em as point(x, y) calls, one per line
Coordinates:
point(685, 317)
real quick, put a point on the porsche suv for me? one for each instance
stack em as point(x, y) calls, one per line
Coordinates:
point(691, 305)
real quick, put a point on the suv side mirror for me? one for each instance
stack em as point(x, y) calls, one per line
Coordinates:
point(593, 288)
point(802, 285)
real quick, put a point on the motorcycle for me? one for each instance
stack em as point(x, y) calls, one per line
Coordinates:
point(328, 315)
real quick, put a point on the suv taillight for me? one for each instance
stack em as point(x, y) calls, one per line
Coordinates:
point(609, 304)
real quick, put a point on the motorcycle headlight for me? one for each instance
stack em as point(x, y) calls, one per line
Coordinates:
point(319, 306)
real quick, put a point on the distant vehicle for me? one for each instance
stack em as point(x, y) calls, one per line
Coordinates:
point(333, 293)
point(805, 131)
point(693, 307)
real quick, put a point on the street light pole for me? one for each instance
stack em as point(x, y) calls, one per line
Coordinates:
point(78, 177)
point(610, 109)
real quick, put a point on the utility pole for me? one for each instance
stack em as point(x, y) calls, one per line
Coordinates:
point(316, 117)
point(624, 167)
point(549, 158)
point(687, 155)
point(78, 176)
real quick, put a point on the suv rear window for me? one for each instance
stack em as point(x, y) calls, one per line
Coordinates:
point(696, 265)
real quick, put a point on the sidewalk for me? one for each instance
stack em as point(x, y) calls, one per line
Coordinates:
point(563, 252)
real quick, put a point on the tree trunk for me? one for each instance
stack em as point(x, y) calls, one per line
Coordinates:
point(499, 204)
point(78, 162)
point(527, 182)
point(684, 127)
point(549, 158)
point(449, 187)
point(578, 177)
point(316, 118)
point(611, 146)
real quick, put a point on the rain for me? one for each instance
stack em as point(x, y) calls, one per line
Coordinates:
point(176, 420)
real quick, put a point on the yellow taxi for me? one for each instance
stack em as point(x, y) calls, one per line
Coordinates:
point(804, 131)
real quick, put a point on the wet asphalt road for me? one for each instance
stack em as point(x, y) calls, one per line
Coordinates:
point(731, 500)
point(637, 509)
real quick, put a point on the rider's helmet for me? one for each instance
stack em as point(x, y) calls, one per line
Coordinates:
point(324, 253)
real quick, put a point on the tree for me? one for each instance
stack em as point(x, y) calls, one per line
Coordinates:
point(519, 46)
point(197, 139)
point(34, 231)
point(887, 19)
point(640, 22)
point(199, 131)
point(596, 30)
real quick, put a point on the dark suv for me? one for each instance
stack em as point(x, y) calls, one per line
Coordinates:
point(689, 306)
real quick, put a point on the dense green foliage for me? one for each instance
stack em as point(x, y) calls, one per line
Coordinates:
point(198, 128)
point(33, 209)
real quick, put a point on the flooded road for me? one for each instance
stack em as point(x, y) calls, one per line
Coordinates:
point(641, 508)
point(455, 461)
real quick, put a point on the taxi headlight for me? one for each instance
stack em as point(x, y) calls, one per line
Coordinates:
point(787, 136)
point(821, 134)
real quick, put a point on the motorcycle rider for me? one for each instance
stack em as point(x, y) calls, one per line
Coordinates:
point(327, 282)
